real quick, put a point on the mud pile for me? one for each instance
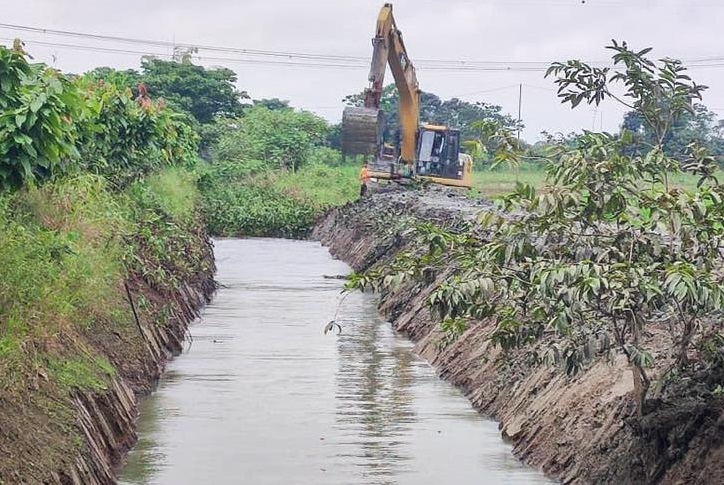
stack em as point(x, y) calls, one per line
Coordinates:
point(580, 429)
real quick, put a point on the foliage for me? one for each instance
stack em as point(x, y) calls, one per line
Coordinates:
point(204, 93)
point(608, 254)
point(273, 104)
point(490, 140)
point(245, 199)
point(280, 138)
point(454, 112)
point(124, 138)
point(699, 126)
point(272, 175)
point(38, 107)
point(257, 210)
point(67, 247)
point(163, 248)
point(51, 125)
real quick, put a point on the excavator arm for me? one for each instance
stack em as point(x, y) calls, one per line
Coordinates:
point(362, 128)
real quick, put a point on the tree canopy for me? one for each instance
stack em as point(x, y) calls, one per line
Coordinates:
point(700, 125)
point(204, 93)
point(282, 137)
point(200, 92)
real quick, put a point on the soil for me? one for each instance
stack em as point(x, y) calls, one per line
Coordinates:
point(581, 429)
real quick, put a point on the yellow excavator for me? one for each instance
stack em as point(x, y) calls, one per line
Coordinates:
point(425, 151)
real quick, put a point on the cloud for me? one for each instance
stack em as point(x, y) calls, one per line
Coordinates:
point(496, 30)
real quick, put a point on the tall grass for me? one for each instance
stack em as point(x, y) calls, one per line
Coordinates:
point(246, 199)
point(65, 250)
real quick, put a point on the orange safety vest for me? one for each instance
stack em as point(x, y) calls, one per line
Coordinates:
point(364, 175)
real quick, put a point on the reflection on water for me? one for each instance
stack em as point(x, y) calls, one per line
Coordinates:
point(263, 397)
point(374, 405)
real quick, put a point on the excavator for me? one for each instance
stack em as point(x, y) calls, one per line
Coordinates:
point(424, 151)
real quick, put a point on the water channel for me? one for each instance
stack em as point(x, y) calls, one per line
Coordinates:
point(264, 397)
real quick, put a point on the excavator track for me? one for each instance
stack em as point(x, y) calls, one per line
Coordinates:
point(362, 130)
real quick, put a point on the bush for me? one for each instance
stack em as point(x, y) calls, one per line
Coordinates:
point(280, 138)
point(38, 111)
point(124, 139)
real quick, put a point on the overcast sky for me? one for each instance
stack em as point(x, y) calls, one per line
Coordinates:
point(508, 31)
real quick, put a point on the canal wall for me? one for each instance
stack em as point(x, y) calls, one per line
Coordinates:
point(107, 419)
point(580, 429)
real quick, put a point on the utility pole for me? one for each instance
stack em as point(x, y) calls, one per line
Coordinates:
point(520, 100)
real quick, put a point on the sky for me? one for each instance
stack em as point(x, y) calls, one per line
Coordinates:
point(490, 33)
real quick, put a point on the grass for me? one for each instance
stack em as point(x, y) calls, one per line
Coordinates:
point(502, 180)
point(325, 186)
point(245, 199)
point(81, 372)
point(172, 190)
point(490, 183)
point(66, 248)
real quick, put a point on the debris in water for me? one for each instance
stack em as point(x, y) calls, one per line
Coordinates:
point(330, 326)
point(335, 277)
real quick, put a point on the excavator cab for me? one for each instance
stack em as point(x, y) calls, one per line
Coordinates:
point(438, 156)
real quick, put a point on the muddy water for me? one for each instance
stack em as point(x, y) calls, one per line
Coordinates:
point(263, 397)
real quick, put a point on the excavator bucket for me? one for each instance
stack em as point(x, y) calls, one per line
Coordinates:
point(362, 131)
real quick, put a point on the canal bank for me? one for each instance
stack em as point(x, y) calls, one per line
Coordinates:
point(579, 429)
point(79, 431)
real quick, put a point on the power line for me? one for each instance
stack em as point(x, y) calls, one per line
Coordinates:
point(303, 59)
point(464, 64)
point(482, 91)
point(336, 65)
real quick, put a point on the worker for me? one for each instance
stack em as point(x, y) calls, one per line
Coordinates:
point(364, 177)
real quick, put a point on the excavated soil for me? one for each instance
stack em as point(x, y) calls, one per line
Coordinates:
point(580, 429)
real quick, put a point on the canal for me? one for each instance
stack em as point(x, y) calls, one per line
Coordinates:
point(262, 396)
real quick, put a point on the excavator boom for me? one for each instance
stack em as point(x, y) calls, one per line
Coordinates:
point(363, 127)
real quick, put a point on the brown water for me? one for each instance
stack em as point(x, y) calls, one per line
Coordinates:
point(264, 397)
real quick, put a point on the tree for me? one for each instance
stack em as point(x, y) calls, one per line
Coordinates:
point(608, 252)
point(454, 112)
point(39, 109)
point(203, 93)
point(696, 126)
point(282, 138)
point(273, 104)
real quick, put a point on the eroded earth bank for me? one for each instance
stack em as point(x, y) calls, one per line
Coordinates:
point(580, 429)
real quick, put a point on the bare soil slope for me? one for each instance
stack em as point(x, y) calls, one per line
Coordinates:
point(580, 429)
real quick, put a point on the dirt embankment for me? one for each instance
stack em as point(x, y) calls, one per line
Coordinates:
point(580, 429)
point(48, 435)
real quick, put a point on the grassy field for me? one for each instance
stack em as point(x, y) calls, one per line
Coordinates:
point(490, 183)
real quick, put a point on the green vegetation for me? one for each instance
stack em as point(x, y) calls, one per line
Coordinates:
point(609, 253)
point(38, 108)
point(504, 179)
point(271, 175)
point(67, 248)
point(201, 93)
point(699, 125)
point(97, 189)
point(454, 112)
